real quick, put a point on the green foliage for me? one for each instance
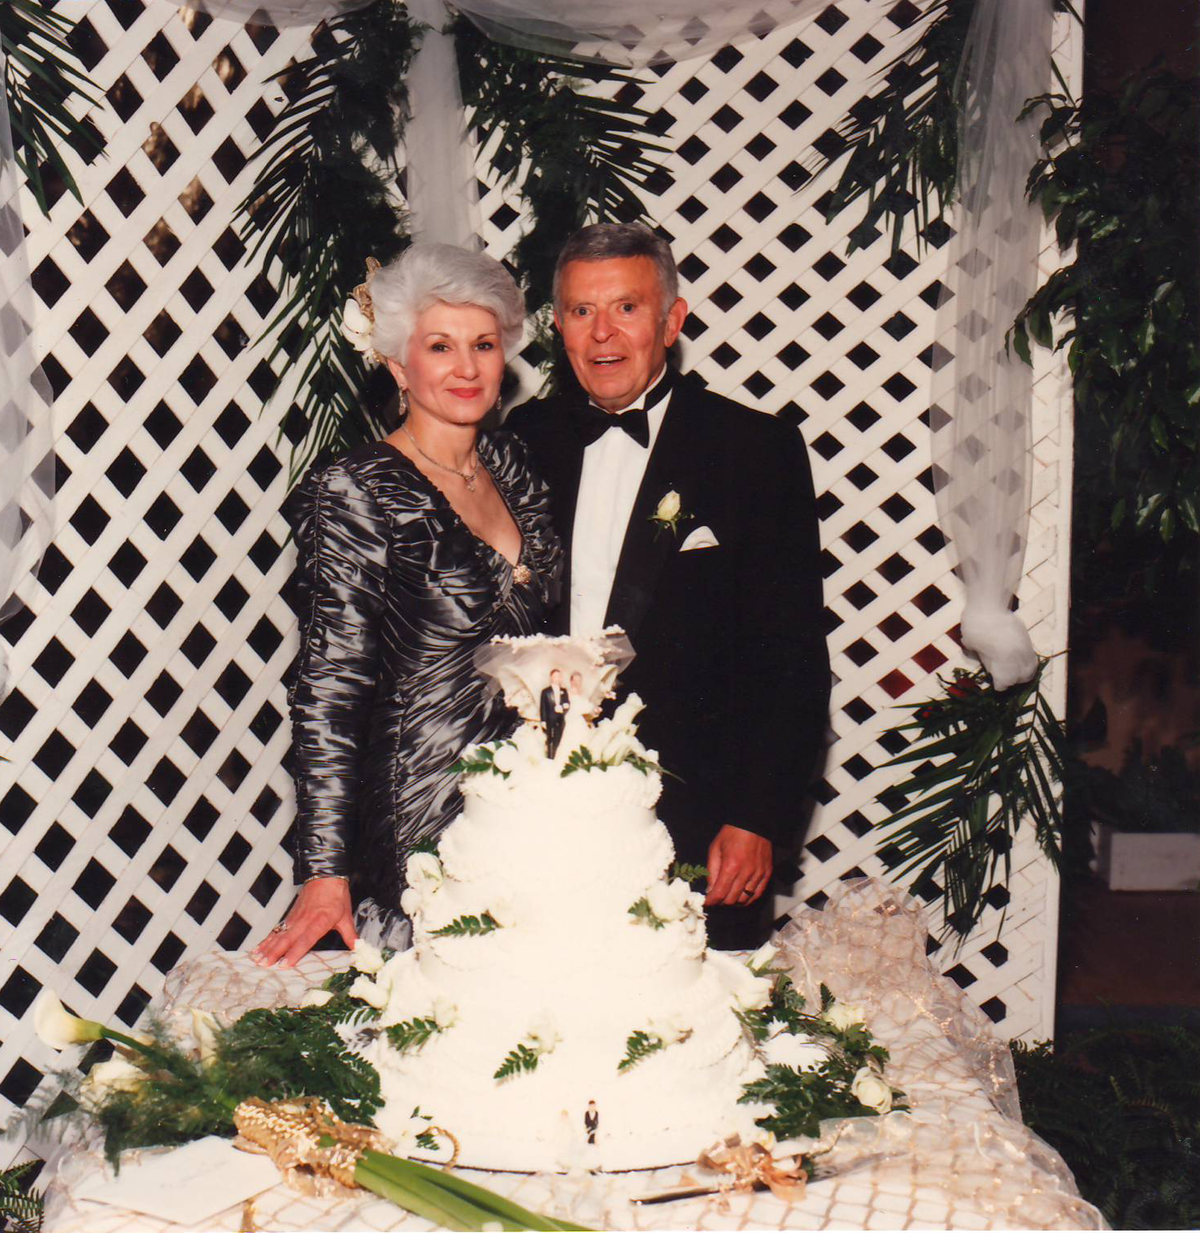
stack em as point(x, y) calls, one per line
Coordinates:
point(903, 140)
point(582, 759)
point(642, 912)
point(273, 1054)
point(786, 1005)
point(428, 844)
point(578, 158)
point(323, 201)
point(689, 873)
point(480, 760)
point(1158, 795)
point(411, 1034)
point(43, 88)
point(20, 1210)
point(802, 1098)
point(468, 926)
point(1122, 184)
point(638, 1046)
point(1122, 1105)
point(520, 1060)
point(986, 758)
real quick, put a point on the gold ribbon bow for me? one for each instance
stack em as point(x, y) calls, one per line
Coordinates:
point(313, 1148)
point(751, 1166)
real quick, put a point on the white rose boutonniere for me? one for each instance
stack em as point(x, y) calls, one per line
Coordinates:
point(869, 1089)
point(669, 513)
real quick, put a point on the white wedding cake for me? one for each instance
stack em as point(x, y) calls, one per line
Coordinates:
point(559, 1007)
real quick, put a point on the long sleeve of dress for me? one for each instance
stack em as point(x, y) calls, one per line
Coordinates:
point(342, 545)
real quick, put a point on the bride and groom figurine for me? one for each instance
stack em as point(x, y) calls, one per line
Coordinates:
point(559, 704)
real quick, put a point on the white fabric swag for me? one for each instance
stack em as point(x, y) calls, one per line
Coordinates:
point(982, 396)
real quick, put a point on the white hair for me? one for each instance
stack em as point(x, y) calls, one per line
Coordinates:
point(428, 274)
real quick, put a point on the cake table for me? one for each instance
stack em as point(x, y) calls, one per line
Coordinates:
point(960, 1159)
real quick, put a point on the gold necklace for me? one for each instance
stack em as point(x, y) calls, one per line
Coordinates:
point(468, 476)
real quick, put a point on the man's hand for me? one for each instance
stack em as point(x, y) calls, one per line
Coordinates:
point(739, 867)
point(323, 904)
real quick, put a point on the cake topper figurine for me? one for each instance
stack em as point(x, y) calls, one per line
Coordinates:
point(521, 667)
point(555, 704)
point(591, 1121)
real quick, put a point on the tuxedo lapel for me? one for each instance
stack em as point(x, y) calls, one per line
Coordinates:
point(648, 545)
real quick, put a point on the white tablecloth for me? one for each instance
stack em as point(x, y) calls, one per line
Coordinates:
point(961, 1159)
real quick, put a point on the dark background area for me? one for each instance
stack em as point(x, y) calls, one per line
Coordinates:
point(1133, 668)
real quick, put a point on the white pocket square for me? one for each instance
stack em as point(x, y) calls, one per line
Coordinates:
point(701, 537)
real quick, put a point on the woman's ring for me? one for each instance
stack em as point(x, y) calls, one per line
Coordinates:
point(282, 927)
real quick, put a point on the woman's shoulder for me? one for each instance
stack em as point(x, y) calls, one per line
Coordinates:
point(365, 480)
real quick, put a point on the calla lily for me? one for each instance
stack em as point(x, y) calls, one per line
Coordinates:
point(57, 1027)
point(205, 1027)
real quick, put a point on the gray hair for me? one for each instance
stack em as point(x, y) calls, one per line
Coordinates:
point(609, 241)
point(428, 274)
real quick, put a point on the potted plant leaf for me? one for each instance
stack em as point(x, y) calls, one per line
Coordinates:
point(1146, 821)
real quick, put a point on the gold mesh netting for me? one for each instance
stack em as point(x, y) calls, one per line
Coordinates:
point(961, 1159)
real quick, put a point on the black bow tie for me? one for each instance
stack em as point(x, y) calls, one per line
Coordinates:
point(592, 423)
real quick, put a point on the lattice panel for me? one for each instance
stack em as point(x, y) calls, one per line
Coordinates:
point(145, 801)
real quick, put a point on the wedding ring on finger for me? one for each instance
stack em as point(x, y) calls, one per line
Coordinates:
point(282, 927)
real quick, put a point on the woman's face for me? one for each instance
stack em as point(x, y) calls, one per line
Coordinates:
point(454, 364)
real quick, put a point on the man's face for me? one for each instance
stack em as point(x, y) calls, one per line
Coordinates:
point(612, 324)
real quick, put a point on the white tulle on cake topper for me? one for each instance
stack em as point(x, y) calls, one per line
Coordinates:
point(983, 454)
point(520, 667)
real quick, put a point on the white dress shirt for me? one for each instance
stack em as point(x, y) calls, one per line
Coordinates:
point(613, 468)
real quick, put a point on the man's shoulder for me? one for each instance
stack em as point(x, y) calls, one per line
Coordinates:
point(731, 421)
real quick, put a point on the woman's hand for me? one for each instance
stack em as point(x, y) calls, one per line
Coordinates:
point(323, 904)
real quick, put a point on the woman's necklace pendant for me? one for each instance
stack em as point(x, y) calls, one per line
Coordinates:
point(470, 479)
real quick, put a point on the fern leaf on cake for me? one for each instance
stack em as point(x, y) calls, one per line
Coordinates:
point(688, 873)
point(468, 926)
point(520, 1059)
point(641, 911)
point(639, 1046)
point(411, 1033)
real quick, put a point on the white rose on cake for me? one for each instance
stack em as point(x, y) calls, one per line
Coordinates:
point(444, 1012)
point(750, 991)
point(367, 958)
point(670, 1029)
point(671, 900)
point(367, 989)
point(530, 743)
point(425, 870)
point(543, 1035)
point(845, 1015)
point(869, 1089)
point(507, 758)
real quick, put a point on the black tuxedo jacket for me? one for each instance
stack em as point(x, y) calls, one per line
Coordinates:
point(731, 657)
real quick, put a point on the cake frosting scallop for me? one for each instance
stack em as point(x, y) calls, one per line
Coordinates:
point(558, 1006)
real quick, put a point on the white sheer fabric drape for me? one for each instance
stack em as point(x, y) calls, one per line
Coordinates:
point(982, 395)
point(26, 445)
point(982, 391)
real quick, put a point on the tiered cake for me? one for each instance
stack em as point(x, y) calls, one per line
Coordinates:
point(559, 1007)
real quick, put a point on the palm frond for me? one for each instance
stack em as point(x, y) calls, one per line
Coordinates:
point(44, 87)
point(990, 759)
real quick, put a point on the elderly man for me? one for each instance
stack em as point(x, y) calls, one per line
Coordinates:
point(691, 523)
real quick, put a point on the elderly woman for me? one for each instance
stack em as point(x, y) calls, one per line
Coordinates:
point(413, 552)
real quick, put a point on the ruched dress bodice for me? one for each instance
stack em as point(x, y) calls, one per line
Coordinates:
point(395, 596)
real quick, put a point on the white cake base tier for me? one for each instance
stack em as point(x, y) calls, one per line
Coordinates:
point(559, 862)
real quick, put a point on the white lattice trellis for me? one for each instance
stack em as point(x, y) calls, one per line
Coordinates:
point(144, 803)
